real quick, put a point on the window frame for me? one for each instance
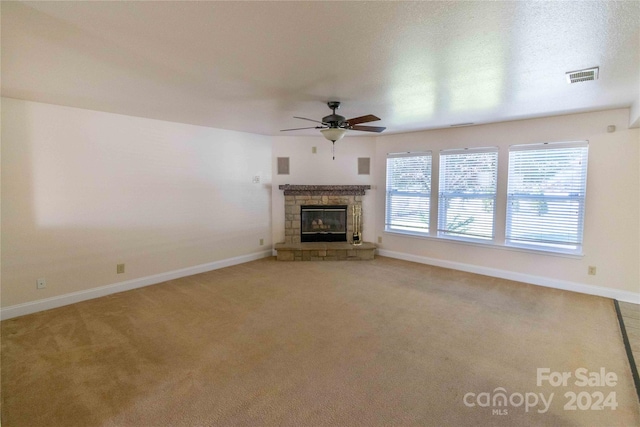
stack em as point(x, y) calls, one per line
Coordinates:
point(579, 199)
point(424, 195)
point(501, 199)
point(443, 231)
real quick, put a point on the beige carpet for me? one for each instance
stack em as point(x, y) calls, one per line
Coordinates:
point(370, 343)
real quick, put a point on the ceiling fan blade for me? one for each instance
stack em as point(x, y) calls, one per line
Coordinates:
point(368, 128)
point(312, 127)
point(304, 118)
point(363, 119)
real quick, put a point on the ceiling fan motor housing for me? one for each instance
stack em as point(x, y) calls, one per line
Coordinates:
point(334, 120)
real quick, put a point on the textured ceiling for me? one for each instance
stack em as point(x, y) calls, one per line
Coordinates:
point(251, 66)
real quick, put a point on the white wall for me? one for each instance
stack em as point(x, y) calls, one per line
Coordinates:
point(307, 168)
point(612, 208)
point(634, 115)
point(85, 190)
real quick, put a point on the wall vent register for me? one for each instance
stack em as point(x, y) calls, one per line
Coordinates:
point(583, 75)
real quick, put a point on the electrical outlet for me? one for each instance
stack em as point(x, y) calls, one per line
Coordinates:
point(256, 179)
point(379, 239)
point(314, 150)
point(261, 242)
point(592, 270)
point(41, 284)
point(120, 269)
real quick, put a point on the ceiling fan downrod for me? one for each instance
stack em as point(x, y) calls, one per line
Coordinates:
point(334, 120)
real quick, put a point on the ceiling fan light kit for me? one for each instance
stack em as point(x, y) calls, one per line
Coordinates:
point(333, 134)
point(334, 126)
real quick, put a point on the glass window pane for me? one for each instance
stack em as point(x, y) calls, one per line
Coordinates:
point(545, 196)
point(408, 193)
point(468, 183)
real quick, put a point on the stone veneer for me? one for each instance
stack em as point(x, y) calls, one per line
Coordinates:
point(324, 251)
point(298, 195)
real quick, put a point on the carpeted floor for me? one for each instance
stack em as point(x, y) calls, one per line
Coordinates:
point(382, 342)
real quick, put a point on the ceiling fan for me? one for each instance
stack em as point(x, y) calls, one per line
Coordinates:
point(334, 126)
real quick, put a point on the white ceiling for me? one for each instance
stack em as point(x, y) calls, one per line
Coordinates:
point(251, 66)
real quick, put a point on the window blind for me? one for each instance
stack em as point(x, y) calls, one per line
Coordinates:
point(546, 195)
point(467, 193)
point(408, 192)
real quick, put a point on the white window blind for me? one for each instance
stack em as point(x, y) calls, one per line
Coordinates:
point(408, 192)
point(546, 195)
point(467, 193)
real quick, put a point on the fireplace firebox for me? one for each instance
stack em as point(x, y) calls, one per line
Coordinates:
point(323, 223)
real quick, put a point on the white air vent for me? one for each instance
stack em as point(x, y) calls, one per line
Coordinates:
point(582, 75)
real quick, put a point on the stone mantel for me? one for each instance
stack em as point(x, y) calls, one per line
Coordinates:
point(324, 190)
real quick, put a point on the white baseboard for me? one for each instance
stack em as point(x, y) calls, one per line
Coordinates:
point(74, 297)
point(620, 295)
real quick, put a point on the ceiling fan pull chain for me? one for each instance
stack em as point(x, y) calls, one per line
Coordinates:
point(333, 149)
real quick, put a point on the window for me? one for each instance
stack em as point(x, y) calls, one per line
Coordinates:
point(545, 196)
point(467, 196)
point(408, 192)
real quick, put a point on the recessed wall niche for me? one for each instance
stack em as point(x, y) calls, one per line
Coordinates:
point(283, 166)
point(364, 165)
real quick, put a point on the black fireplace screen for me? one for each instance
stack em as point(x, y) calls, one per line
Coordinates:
point(322, 223)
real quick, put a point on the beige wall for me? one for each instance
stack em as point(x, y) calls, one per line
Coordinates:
point(85, 190)
point(307, 168)
point(612, 208)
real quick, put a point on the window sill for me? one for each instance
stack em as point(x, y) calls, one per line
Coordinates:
point(487, 245)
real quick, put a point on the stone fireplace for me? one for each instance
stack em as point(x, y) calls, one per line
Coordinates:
point(318, 199)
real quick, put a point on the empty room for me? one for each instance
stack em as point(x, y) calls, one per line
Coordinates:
point(324, 213)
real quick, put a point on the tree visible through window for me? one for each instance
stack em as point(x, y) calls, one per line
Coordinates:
point(545, 201)
point(408, 192)
point(546, 196)
point(467, 195)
